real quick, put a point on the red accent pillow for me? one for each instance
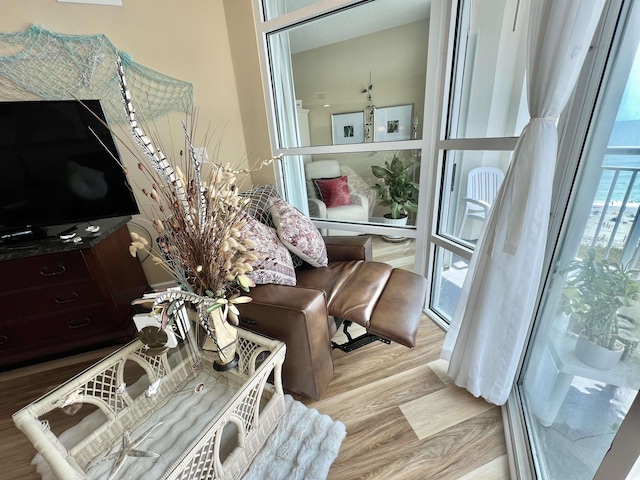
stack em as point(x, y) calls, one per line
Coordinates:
point(334, 192)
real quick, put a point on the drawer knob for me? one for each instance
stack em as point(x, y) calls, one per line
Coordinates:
point(46, 272)
point(72, 298)
point(83, 322)
point(3, 339)
point(248, 320)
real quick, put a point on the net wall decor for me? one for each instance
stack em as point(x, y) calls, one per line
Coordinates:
point(41, 65)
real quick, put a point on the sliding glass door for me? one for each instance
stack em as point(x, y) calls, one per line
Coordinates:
point(582, 371)
point(481, 111)
point(347, 83)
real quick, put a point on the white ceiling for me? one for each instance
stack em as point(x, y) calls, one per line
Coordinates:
point(355, 22)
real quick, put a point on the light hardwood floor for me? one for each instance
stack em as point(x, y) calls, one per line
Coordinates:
point(404, 418)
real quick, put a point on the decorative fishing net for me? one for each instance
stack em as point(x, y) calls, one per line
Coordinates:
point(38, 64)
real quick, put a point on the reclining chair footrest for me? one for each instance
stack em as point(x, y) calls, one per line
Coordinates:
point(361, 341)
point(398, 320)
point(354, 343)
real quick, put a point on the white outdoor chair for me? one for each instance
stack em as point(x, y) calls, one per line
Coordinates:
point(482, 186)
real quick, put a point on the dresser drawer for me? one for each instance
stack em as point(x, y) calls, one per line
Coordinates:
point(70, 299)
point(54, 328)
point(51, 300)
point(42, 271)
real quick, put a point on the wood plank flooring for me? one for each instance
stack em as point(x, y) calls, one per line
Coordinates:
point(404, 418)
point(404, 422)
point(398, 254)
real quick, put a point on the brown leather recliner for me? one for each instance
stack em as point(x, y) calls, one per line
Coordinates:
point(388, 302)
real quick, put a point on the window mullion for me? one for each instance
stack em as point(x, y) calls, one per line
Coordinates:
point(352, 148)
point(301, 15)
point(490, 144)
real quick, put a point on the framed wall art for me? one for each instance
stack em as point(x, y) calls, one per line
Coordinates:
point(347, 128)
point(393, 123)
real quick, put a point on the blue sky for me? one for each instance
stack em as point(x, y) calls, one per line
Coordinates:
point(630, 104)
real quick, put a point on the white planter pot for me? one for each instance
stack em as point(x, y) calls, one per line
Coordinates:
point(394, 221)
point(597, 356)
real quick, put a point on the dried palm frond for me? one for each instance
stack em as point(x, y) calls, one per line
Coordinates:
point(199, 216)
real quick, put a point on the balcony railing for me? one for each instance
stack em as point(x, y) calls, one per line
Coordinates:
point(613, 224)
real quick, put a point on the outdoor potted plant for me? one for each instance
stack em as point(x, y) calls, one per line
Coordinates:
point(596, 289)
point(396, 191)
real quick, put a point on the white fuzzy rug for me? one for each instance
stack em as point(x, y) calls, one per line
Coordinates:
point(303, 446)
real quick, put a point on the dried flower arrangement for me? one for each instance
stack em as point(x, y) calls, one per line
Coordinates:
point(199, 217)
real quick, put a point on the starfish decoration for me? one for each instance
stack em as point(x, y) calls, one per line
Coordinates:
point(129, 449)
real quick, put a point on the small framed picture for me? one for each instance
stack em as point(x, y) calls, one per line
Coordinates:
point(347, 128)
point(393, 123)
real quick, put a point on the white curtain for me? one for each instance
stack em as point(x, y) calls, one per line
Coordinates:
point(492, 318)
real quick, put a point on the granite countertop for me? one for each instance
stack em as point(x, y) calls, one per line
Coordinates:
point(16, 249)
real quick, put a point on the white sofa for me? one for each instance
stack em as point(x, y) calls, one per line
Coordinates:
point(358, 190)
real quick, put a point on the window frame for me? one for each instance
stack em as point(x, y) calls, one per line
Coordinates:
point(299, 17)
point(573, 128)
point(446, 16)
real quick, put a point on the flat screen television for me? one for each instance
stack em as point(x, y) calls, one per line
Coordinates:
point(53, 169)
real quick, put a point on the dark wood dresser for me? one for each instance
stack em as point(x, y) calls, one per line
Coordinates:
point(57, 297)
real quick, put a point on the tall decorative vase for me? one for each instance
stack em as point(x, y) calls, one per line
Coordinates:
point(221, 337)
point(225, 344)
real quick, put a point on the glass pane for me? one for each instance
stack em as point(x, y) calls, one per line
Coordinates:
point(451, 271)
point(472, 179)
point(489, 86)
point(397, 254)
point(353, 81)
point(583, 370)
point(341, 187)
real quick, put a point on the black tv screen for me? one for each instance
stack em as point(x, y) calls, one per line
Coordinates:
point(53, 169)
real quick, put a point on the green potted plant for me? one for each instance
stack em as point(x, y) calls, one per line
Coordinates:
point(395, 190)
point(596, 290)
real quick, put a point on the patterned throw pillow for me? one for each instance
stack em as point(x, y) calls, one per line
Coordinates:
point(298, 233)
point(276, 266)
point(258, 208)
point(334, 192)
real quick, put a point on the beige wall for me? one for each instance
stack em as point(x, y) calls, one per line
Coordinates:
point(244, 52)
point(397, 60)
point(186, 39)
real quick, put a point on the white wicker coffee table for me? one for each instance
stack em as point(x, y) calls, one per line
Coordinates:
point(171, 423)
